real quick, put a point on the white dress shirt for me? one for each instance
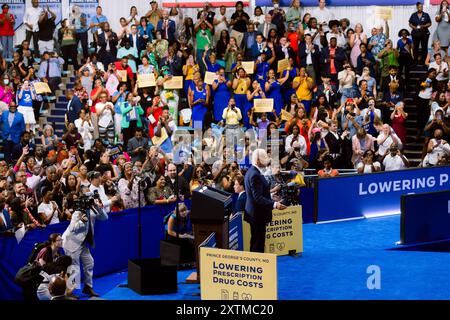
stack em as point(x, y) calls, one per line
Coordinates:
point(103, 197)
point(32, 17)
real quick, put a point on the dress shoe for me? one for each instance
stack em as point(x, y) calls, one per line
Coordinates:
point(89, 291)
point(73, 296)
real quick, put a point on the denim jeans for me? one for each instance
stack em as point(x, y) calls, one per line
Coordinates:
point(7, 44)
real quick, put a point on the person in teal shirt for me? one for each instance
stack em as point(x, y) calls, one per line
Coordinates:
point(131, 116)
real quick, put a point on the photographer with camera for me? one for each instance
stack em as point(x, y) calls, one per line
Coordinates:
point(79, 235)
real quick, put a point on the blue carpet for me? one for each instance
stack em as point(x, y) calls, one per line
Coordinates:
point(333, 266)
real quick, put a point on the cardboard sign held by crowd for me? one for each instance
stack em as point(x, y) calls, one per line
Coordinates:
point(239, 36)
point(283, 65)
point(174, 83)
point(146, 80)
point(210, 77)
point(249, 66)
point(286, 116)
point(41, 87)
point(122, 75)
point(263, 105)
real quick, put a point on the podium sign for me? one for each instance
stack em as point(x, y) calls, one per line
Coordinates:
point(283, 235)
point(237, 275)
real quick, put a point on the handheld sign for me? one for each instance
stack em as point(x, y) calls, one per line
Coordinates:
point(146, 80)
point(263, 105)
point(286, 116)
point(123, 75)
point(249, 66)
point(283, 65)
point(239, 36)
point(174, 83)
point(41, 87)
point(157, 141)
point(210, 77)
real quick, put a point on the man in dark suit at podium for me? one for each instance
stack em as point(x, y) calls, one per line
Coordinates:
point(259, 204)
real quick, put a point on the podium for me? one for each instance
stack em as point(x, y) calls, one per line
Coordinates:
point(210, 213)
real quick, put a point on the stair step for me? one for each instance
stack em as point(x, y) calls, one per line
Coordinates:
point(61, 105)
point(412, 152)
point(58, 112)
point(55, 119)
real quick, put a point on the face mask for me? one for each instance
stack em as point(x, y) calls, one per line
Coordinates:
point(276, 5)
point(5, 11)
point(6, 81)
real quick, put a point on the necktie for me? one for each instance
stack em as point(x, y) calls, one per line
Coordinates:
point(266, 30)
point(47, 73)
point(166, 23)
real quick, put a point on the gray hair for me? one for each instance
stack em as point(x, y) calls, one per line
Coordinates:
point(260, 155)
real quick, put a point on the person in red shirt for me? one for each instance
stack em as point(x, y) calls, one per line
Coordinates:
point(294, 38)
point(123, 65)
point(7, 31)
point(155, 110)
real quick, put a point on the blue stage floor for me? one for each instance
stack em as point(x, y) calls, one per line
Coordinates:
point(334, 266)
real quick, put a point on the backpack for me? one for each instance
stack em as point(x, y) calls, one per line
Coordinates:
point(29, 275)
point(36, 249)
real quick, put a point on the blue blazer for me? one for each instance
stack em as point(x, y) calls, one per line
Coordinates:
point(9, 225)
point(259, 204)
point(140, 45)
point(16, 129)
point(148, 31)
point(75, 107)
point(171, 31)
point(256, 53)
point(239, 206)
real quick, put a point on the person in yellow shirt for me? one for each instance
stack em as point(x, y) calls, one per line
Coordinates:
point(188, 72)
point(232, 115)
point(240, 85)
point(304, 84)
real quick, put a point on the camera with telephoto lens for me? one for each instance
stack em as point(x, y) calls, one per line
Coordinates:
point(290, 191)
point(86, 201)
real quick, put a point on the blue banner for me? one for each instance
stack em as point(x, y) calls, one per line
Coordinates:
point(16, 8)
point(209, 242)
point(55, 6)
point(374, 194)
point(88, 7)
point(236, 241)
point(425, 218)
point(339, 3)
